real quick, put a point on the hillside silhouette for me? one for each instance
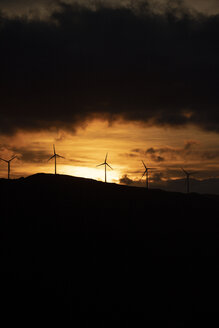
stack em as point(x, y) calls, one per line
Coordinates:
point(79, 250)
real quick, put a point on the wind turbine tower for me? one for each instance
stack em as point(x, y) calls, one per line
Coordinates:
point(55, 156)
point(105, 164)
point(187, 179)
point(9, 164)
point(146, 173)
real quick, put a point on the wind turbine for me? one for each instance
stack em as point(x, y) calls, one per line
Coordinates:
point(187, 178)
point(146, 172)
point(55, 156)
point(9, 164)
point(105, 164)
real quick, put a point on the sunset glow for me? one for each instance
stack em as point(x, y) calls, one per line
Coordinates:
point(137, 82)
point(109, 162)
point(165, 149)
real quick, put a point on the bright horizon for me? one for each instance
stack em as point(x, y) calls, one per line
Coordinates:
point(127, 144)
point(137, 80)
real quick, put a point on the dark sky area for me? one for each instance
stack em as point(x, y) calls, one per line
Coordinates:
point(71, 68)
point(108, 61)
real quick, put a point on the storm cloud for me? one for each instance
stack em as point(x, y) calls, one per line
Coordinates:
point(191, 150)
point(169, 153)
point(157, 68)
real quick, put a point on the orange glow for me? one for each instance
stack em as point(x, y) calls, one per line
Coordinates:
point(126, 144)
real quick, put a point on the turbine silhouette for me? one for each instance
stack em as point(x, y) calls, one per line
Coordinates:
point(55, 156)
point(105, 164)
point(187, 178)
point(146, 172)
point(9, 164)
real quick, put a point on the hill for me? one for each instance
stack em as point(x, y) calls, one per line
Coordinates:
point(85, 251)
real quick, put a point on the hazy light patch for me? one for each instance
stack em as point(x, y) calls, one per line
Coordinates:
point(90, 173)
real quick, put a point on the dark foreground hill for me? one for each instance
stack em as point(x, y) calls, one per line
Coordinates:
point(92, 253)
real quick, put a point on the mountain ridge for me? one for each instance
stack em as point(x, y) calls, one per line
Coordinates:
point(42, 176)
point(72, 247)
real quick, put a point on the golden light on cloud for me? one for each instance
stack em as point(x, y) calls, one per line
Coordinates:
point(126, 144)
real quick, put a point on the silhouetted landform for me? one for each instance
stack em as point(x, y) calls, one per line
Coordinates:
point(79, 250)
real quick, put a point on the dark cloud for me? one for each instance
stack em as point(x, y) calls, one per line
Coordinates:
point(136, 150)
point(190, 150)
point(31, 9)
point(128, 155)
point(28, 156)
point(34, 155)
point(189, 144)
point(31, 156)
point(44, 9)
point(158, 177)
point(156, 158)
point(126, 180)
point(173, 153)
point(160, 69)
point(210, 155)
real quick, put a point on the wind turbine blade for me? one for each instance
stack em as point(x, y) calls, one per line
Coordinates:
point(12, 158)
point(51, 157)
point(106, 157)
point(186, 173)
point(143, 174)
point(3, 160)
point(101, 164)
point(59, 156)
point(54, 149)
point(144, 165)
point(109, 166)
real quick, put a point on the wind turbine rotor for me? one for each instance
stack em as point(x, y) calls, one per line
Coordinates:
point(144, 174)
point(144, 165)
point(100, 164)
point(59, 156)
point(4, 160)
point(109, 166)
point(12, 158)
point(186, 173)
point(51, 157)
point(105, 165)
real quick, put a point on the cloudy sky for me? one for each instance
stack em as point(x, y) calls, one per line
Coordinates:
point(137, 79)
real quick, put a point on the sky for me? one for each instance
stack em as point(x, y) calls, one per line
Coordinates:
point(137, 79)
